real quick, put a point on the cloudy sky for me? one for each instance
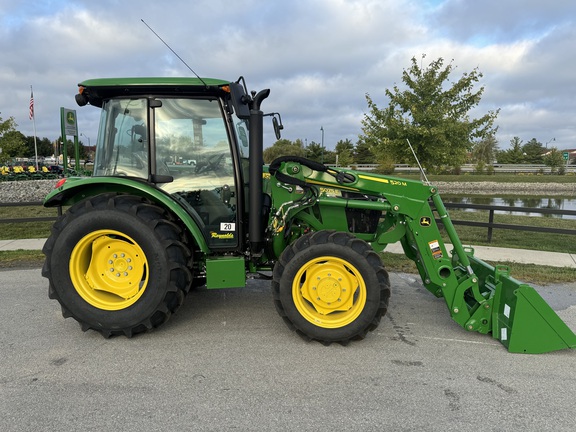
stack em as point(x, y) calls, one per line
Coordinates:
point(318, 57)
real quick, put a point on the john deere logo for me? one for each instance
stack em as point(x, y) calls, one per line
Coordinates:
point(425, 221)
point(70, 119)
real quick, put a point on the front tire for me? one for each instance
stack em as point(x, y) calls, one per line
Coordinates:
point(331, 287)
point(117, 264)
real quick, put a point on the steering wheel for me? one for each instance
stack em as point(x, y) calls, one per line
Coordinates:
point(211, 164)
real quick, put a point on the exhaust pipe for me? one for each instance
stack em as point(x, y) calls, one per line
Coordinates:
point(256, 146)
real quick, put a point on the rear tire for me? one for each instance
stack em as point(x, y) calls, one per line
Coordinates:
point(330, 286)
point(117, 264)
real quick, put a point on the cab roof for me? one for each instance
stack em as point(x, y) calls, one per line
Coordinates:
point(97, 90)
point(153, 82)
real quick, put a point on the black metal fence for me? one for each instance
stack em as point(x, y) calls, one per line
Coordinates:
point(30, 219)
point(490, 225)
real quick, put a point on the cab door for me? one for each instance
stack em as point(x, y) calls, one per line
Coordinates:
point(193, 147)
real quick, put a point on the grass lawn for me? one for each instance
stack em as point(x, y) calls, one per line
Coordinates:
point(398, 263)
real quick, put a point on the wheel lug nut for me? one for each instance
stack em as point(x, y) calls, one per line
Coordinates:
point(115, 255)
point(117, 274)
point(110, 262)
point(125, 273)
point(122, 255)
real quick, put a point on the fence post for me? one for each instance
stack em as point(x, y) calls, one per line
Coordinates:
point(490, 222)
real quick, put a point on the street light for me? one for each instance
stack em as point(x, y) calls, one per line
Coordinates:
point(553, 139)
point(88, 138)
point(322, 129)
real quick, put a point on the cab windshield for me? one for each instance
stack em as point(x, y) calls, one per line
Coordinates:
point(190, 138)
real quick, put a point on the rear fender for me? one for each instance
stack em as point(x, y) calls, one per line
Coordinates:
point(75, 189)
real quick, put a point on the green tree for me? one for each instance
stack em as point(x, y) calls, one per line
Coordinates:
point(70, 149)
point(329, 157)
point(363, 153)
point(384, 160)
point(315, 152)
point(345, 158)
point(533, 152)
point(343, 145)
point(283, 147)
point(432, 113)
point(44, 146)
point(12, 142)
point(484, 153)
point(514, 155)
point(345, 152)
point(554, 160)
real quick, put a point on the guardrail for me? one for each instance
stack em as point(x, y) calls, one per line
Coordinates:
point(470, 168)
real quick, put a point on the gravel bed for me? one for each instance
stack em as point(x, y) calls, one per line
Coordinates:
point(25, 190)
point(493, 188)
point(36, 190)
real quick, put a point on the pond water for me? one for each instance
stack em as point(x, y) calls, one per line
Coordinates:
point(556, 203)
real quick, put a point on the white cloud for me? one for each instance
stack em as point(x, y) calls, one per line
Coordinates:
point(318, 57)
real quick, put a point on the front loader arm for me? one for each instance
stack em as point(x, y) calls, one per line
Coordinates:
point(479, 297)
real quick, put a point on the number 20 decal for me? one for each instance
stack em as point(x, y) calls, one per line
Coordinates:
point(227, 226)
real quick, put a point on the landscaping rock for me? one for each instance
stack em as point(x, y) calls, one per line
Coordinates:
point(25, 190)
point(36, 190)
point(493, 188)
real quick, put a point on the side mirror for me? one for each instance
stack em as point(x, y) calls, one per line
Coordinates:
point(278, 126)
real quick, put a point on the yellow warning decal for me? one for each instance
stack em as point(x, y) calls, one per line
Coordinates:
point(435, 249)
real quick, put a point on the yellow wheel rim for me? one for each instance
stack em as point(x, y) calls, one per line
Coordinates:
point(329, 292)
point(109, 270)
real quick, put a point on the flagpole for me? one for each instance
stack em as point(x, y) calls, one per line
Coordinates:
point(33, 116)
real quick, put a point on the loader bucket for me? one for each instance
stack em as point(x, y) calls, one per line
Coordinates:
point(521, 319)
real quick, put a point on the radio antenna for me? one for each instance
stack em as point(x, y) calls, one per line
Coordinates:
point(174, 52)
point(418, 162)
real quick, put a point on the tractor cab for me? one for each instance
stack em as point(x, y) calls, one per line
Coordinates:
point(185, 137)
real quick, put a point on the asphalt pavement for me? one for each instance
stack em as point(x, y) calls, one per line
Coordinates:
point(226, 361)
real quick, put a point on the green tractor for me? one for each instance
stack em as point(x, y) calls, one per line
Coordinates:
point(180, 198)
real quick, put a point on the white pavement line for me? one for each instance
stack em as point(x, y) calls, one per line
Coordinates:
point(494, 343)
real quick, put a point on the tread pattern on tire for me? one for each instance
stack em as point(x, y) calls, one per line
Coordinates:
point(162, 226)
point(345, 240)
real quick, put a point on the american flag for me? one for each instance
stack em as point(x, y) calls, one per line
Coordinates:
point(31, 112)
